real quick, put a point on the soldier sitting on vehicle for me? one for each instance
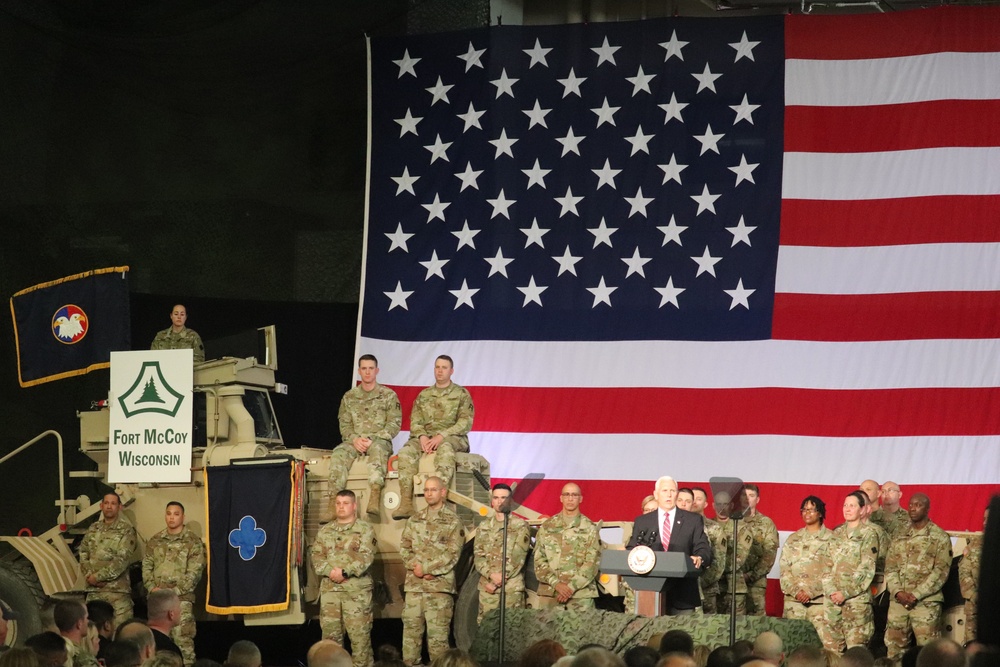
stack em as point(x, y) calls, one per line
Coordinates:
point(369, 418)
point(439, 423)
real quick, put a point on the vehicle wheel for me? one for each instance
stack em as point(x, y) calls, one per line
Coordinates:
point(20, 589)
point(464, 622)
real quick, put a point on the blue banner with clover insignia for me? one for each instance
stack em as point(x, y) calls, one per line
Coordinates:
point(249, 536)
point(70, 326)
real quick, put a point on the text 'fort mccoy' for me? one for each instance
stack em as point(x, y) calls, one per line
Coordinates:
point(150, 436)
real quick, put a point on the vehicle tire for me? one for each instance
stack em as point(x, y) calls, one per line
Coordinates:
point(20, 589)
point(464, 623)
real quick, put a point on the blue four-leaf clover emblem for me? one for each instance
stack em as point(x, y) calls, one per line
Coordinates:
point(247, 538)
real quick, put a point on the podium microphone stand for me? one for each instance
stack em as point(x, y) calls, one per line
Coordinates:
point(505, 510)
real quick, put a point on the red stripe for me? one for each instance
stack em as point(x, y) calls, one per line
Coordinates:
point(911, 316)
point(805, 412)
point(944, 219)
point(619, 500)
point(860, 36)
point(918, 125)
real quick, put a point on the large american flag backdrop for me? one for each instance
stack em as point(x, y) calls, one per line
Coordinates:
point(759, 247)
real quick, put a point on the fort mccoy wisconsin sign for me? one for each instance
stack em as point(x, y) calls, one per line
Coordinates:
point(151, 407)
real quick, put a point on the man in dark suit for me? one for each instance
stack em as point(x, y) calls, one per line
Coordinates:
point(679, 531)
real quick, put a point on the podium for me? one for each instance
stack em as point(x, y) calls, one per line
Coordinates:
point(650, 588)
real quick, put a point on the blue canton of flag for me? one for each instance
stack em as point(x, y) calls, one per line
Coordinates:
point(586, 182)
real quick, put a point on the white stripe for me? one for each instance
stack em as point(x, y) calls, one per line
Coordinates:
point(891, 174)
point(762, 458)
point(930, 267)
point(936, 76)
point(705, 365)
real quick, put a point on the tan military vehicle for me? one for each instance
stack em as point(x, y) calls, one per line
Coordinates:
point(240, 424)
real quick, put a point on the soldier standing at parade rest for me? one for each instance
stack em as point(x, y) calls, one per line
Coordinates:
point(685, 501)
point(732, 584)
point(105, 554)
point(871, 489)
point(488, 552)
point(175, 560)
point(968, 579)
point(866, 514)
point(915, 571)
point(430, 546)
point(890, 516)
point(439, 422)
point(719, 539)
point(805, 561)
point(342, 555)
point(567, 555)
point(178, 336)
point(763, 554)
point(369, 418)
point(853, 555)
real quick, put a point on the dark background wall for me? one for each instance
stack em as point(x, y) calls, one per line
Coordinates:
point(218, 149)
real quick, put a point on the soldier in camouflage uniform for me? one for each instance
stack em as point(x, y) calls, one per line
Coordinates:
point(439, 422)
point(567, 555)
point(175, 560)
point(70, 618)
point(763, 554)
point(430, 546)
point(848, 602)
point(892, 518)
point(718, 538)
point(968, 579)
point(370, 418)
point(732, 587)
point(880, 602)
point(805, 561)
point(685, 501)
point(915, 572)
point(178, 336)
point(105, 554)
point(488, 553)
point(342, 556)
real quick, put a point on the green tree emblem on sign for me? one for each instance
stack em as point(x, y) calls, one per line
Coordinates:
point(150, 392)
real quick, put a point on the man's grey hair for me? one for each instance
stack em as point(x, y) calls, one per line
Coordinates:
point(137, 632)
point(663, 479)
point(769, 646)
point(243, 654)
point(160, 602)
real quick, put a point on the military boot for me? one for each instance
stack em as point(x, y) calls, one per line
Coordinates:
point(405, 508)
point(374, 499)
point(326, 514)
